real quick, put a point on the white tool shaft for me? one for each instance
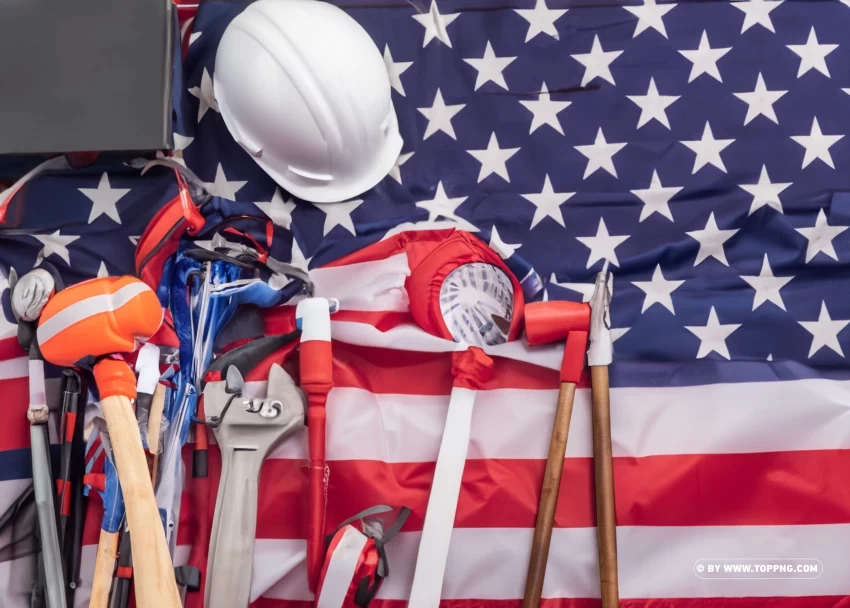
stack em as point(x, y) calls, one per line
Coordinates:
point(442, 502)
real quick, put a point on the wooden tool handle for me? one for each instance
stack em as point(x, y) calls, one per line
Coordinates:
point(154, 428)
point(152, 568)
point(603, 465)
point(549, 497)
point(104, 568)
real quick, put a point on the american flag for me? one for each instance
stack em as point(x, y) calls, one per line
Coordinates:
point(698, 147)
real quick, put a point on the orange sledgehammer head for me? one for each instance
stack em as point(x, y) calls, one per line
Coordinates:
point(98, 317)
point(547, 322)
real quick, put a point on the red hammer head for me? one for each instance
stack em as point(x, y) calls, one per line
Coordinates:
point(547, 322)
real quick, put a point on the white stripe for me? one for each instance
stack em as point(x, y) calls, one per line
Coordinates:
point(654, 562)
point(375, 286)
point(341, 568)
point(82, 310)
point(14, 368)
point(515, 423)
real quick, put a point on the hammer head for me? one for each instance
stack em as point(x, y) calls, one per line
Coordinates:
point(547, 322)
point(98, 317)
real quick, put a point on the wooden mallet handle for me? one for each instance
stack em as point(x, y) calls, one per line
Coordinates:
point(104, 567)
point(152, 567)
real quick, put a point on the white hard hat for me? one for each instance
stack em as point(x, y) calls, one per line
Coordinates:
point(304, 90)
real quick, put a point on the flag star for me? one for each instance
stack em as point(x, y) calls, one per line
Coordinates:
point(602, 245)
point(193, 37)
point(205, 94)
point(713, 336)
point(222, 187)
point(711, 241)
point(618, 332)
point(104, 199)
point(102, 271)
point(585, 289)
point(435, 25)
point(395, 69)
point(297, 257)
point(443, 206)
point(658, 290)
point(820, 237)
point(541, 19)
point(493, 159)
point(652, 105)
point(181, 142)
point(824, 332)
point(765, 192)
point(708, 150)
point(817, 145)
point(600, 155)
point(505, 250)
point(134, 240)
point(490, 68)
point(650, 15)
point(545, 111)
point(278, 210)
point(812, 55)
point(767, 286)
point(656, 198)
point(548, 203)
point(339, 214)
point(597, 62)
point(760, 101)
point(440, 116)
point(395, 172)
point(704, 59)
point(757, 12)
point(54, 243)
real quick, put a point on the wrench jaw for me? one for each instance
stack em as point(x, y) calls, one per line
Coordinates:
point(247, 432)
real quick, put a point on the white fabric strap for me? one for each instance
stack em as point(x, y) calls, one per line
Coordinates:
point(341, 567)
point(442, 502)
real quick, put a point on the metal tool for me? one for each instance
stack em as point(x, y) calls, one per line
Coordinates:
point(246, 431)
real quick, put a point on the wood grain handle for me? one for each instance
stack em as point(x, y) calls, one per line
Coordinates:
point(603, 465)
point(104, 567)
point(152, 568)
point(549, 497)
point(154, 429)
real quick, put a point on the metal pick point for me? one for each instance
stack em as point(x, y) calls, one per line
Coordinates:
point(601, 348)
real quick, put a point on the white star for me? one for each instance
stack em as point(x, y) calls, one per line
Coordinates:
point(711, 241)
point(618, 332)
point(767, 286)
point(102, 271)
point(708, 150)
point(54, 243)
point(597, 62)
point(545, 111)
point(104, 199)
point(221, 187)
point(548, 203)
point(824, 332)
point(658, 290)
point(757, 12)
point(181, 142)
point(812, 55)
point(652, 105)
point(541, 19)
point(490, 68)
point(493, 159)
point(395, 172)
point(443, 206)
point(585, 289)
point(435, 25)
point(205, 94)
point(339, 214)
point(193, 37)
point(134, 240)
point(817, 145)
point(440, 116)
point(820, 237)
point(505, 250)
point(297, 258)
point(395, 69)
point(765, 192)
point(713, 336)
point(704, 59)
point(656, 198)
point(760, 101)
point(278, 210)
point(602, 245)
point(650, 15)
point(600, 155)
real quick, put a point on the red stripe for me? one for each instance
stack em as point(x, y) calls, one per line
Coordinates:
point(826, 601)
point(14, 427)
point(779, 488)
point(10, 349)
